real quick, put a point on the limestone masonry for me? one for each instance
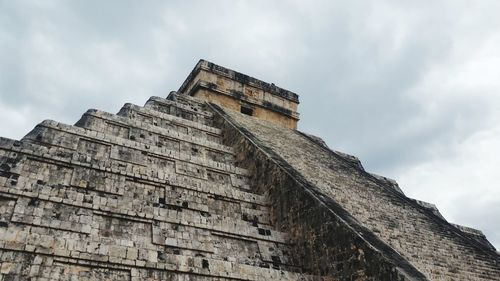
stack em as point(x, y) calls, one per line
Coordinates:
point(214, 183)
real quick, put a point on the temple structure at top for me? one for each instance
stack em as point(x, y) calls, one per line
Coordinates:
point(240, 92)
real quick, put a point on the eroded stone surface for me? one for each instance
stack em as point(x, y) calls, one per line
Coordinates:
point(148, 194)
point(180, 189)
point(314, 181)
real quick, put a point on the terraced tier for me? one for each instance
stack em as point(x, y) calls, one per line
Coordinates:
point(148, 194)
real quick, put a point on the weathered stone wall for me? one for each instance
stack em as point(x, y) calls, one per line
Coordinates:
point(352, 224)
point(148, 194)
point(227, 101)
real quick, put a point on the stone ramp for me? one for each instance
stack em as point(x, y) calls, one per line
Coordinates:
point(151, 193)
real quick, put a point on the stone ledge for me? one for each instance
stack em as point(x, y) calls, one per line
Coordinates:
point(239, 77)
point(180, 181)
point(225, 226)
point(190, 109)
point(153, 113)
point(133, 145)
point(134, 124)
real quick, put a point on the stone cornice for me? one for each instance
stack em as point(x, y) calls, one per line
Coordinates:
point(239, 77)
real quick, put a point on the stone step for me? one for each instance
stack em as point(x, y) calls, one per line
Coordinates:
point(189, 111)
point(187, 103)
point(124, 262)
point(63, 160)
point(55, 194)
point(44, 183)
point(130, 194)
point(105, 147)
point(132, 129)
point(158, 198)
point(156, 118)
point(86, 204)
point(185, 99)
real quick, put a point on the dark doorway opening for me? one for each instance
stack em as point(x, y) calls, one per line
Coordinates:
point(246, 110)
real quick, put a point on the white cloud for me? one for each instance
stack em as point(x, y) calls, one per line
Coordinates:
point(465, 185)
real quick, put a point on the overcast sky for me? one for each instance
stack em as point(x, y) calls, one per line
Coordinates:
point(410, 87)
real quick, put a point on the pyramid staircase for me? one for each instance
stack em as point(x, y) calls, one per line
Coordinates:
point(151, 193)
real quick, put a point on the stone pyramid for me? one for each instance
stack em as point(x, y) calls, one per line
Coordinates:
point(214, 183)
